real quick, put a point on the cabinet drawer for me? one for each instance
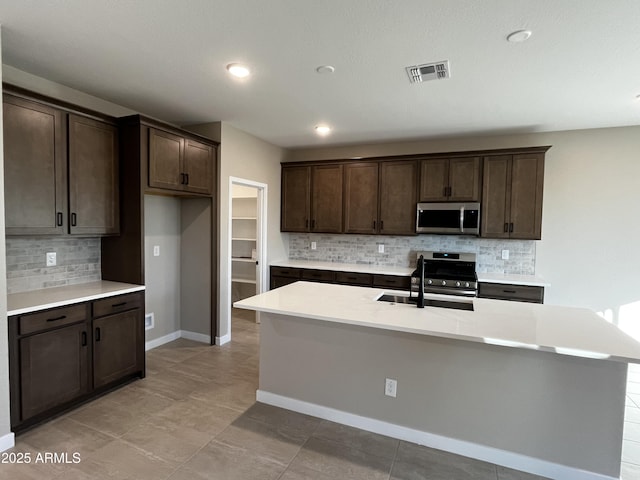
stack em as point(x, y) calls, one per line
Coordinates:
point(285, 272)
point(391, 281)
point(120, 303)
point(348, 278)
point(519, 293)
point(57, 317)
point(319, 275)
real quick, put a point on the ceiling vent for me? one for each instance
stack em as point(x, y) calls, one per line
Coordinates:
point(428, 71)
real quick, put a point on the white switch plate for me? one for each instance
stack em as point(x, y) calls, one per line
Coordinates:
point(381, 248)
point(313, 245)
point(51, 259)
point(390, 387)
point(156, 250)
point(505, 254)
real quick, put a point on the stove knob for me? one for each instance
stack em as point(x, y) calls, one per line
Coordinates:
point(457, 284)
point(444, 283)
point(429, 282)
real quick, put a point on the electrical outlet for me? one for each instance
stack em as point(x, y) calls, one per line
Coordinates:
point(505, 254)
point(314, 245)
point(390, 387)
point(51, 259)
point(156, 250)
point(381, 248)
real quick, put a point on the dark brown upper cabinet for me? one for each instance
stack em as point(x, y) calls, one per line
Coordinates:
point(179, 163)
point(295, 199)
point(326, 198)
point(35, 168)
point(380, 197)
point(93, 177)
point(53, 157)
point(312, 199)
point(398, 197)
point(450, 179)
point(512, 196)
point(361, 197)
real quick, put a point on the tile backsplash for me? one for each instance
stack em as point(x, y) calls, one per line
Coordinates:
point(78, 261)
point(401, 251)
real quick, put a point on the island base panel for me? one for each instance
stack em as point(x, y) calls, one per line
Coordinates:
point(555, 409)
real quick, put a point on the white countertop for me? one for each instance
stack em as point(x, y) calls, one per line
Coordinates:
point(26, 302)
point(566, 330)
point(345, 267)
point(530, 280)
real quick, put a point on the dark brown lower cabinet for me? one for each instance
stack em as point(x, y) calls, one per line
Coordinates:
point(507, 291)
point(115, 352)
point(63, 356)
point(54, 368)
point(281, 276)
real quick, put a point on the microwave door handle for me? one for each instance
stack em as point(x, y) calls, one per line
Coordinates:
point(461, 219)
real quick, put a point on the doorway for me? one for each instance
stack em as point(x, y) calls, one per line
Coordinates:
point(247, 244)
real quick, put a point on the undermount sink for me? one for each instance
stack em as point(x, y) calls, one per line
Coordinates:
point(428, 302)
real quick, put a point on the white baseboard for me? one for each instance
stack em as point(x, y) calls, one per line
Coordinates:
point(504, 458)
point(7, 441)
point(196, 337)
point(224, 339)
point(162, 340)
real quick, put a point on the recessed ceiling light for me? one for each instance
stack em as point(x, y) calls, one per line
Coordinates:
point(519, 36)
point(238, 70)
point(322, 69)
point(323, 130)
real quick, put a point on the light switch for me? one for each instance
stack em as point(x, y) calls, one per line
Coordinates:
point(314, 245)
point(505, 254)
point(156, 250)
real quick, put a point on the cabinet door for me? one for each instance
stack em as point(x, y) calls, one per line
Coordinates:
point(199, 160)
point(115, 346)
point(398, 198)
point(361, 198)
point(496, 189)
point(295, 206)
point(326, 199)
point(464, 179)
point(527, 175)
point(34, 167)
point(93, 177)
point(434, 179)
point(54, 368)
point(166, 153)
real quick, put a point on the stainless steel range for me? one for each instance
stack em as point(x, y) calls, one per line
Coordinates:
point(448, 273)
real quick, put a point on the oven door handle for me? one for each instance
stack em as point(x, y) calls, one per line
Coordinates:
point(461, 219)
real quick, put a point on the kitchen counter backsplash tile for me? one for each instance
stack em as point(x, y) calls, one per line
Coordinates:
point(401, 251)
point(78, 261)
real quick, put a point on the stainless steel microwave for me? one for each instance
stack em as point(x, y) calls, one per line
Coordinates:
point(448, 218)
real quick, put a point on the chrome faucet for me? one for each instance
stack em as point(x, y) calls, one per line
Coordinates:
point(419, 272)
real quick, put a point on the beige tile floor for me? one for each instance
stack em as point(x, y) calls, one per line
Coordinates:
point(195, 417)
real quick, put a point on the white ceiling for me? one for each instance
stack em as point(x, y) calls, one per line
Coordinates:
point(167, 58)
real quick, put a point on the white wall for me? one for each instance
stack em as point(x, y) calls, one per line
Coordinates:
point(6, 437)
point(244, 156)
point(162, 273)
point(591, 229)
point(54, 90)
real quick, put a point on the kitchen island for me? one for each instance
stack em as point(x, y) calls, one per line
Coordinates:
point(534, 387)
